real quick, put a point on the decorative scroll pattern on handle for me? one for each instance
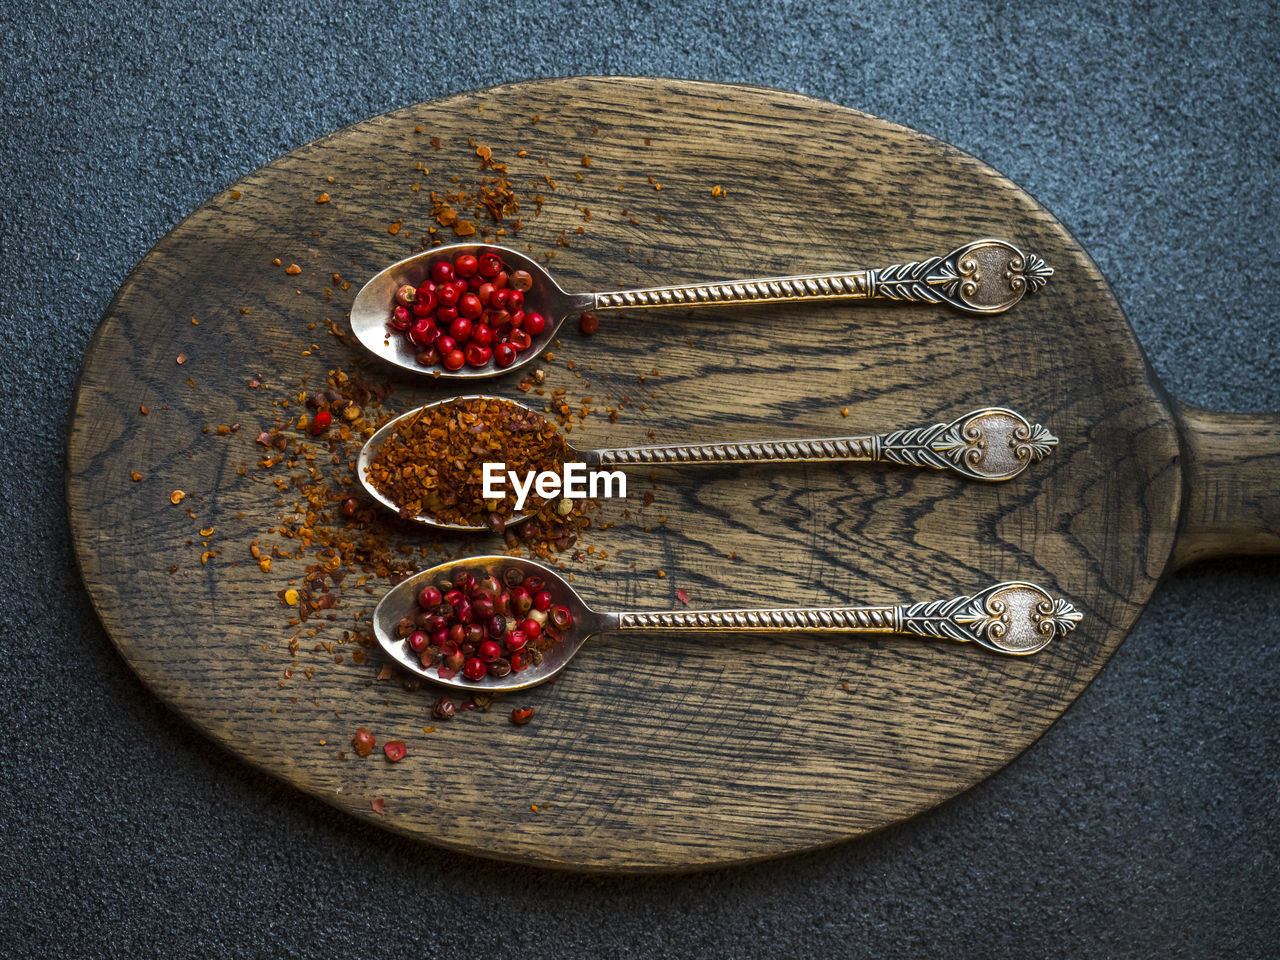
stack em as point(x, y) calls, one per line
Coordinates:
point(988, 444)
point(986, 276)
point(1016, 618)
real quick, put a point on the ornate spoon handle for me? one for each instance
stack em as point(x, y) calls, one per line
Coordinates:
point(985, 276)
point(1015, 617)
point(988, 444)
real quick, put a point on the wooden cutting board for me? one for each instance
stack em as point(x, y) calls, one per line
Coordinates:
point(661, 752)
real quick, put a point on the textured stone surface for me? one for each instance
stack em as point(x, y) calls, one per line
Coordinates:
point(1143, 823)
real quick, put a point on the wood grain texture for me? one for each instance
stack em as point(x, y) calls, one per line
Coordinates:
point(651, 752)
point(1232, 466)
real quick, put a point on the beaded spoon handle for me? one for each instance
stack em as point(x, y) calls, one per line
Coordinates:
point(988, 444)
point(1015, 618)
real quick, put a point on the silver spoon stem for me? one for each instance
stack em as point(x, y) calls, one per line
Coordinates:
point(1016, 618)
point(985, 276)
point(988, 444)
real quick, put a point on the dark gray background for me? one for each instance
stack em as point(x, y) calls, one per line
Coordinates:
point(1143, 824)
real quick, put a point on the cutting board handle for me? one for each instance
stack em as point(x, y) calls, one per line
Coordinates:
point(1231, 475)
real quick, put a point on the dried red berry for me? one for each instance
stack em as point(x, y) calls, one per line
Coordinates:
point(469, 306)
point(363, 742)
point(521, 715)
point(395, 750)
point(321, 422)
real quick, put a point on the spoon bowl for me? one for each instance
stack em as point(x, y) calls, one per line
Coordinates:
point(989, 444)
point(370, 449)
point(371, 309)
point(1015, 618)
point(401, 601)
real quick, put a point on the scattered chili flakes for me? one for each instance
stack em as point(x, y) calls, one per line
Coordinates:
point(844, 411)
point(135, 475)
point(177, 497)
point(683, 596)
point(586, 161)
point(394, 228)
point(662, 574)
point(143, 410)
point(717, 191)
point(235, 194)
point(378, 804)
point(276, 262)
point(293, 269)
point(323, 198)
point(181, 359)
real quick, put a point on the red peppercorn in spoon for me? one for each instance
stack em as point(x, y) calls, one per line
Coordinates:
point(411, 313)
point(500, 655)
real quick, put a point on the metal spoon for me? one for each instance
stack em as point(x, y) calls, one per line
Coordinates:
point(988, 444)
point(1015, 618)
point(985, 276)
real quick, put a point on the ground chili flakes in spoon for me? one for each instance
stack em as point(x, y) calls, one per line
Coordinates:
point(433, 463)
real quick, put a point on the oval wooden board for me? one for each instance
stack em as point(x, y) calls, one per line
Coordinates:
point(654, 753)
